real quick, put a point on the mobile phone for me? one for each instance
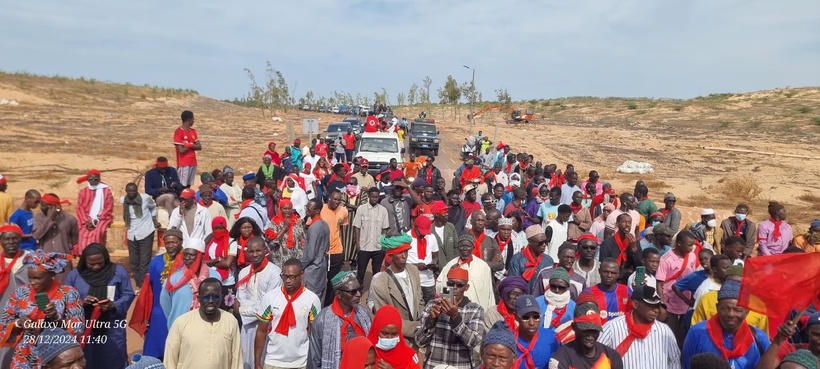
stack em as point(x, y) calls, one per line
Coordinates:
point(640, 275)
point(447, 293)
point(42, 300)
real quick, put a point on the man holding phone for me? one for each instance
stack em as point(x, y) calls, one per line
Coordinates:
point(423, 254)
point(451, 328)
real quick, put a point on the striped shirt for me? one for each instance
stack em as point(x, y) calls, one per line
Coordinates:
point(658, 350)
point(451, 341)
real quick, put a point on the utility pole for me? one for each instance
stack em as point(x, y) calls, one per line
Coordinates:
point(472, 100)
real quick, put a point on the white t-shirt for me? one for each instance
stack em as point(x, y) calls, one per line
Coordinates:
point(426, 277)
point(650, 281)
point(290, 350)
point(706, 286)
point(309, 179)
point(232, 247)
point(559, 236)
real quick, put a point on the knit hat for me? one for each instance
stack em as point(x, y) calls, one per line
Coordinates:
point(560, 273)
point(13, 228)
point(466, 237)
point(227, 169)
point(802, 357)
point(205, 176)
point(500, 334)
point(53, 342)
point(145, 362)
point(585, 297)
point(588, 317)
point(341, 278)
point(669, 196)
point(173, 232)
point(735, 270)
point(505, 222)
point(512, 282)
point(815, 223)
point(729, 290)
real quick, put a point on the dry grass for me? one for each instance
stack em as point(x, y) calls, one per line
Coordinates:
point(743, 188)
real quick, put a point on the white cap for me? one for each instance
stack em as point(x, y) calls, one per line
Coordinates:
point(707, 212)
point(194, 243)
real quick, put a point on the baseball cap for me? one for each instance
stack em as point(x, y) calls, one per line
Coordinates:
point(526, 304)
point(438, 207)
point(647, 294)
point(424, 224)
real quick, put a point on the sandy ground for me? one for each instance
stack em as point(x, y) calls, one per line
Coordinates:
point(61, 129)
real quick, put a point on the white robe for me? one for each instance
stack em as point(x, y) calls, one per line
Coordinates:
point(250, 295)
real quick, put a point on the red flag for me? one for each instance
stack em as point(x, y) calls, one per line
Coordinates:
point(142, 309)
point(775, 285)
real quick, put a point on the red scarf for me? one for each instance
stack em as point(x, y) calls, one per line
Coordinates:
point(346, 320)
point(743, 340)
point(465, 261)
point(240, 251)
point(738, 227)
point(288, 318)
point(253, 271)
point(623, 244)
point(36, 314)
point(220, 240)
point(575, 209)
point(5, 271)
point(244, 205)
point(557, 314)
point(508, 316)
point(502, 244)
point(477, 245)
point(636, 330)
point(666, 211)
point(531, 266)
point(279, 219)
point(682, 268)
point(526, 352)
point(776, 231)
point(187, 275)
point(421, 242)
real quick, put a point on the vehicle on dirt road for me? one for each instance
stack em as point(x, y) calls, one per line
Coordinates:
point(424, 136)
point(378, 148)
point(356, 124)
point(336, 129)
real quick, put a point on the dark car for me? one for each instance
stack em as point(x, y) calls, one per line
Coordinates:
point(424, 136)
point(336, 130)
point(356, 124)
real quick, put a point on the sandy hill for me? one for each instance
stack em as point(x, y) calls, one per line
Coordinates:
point(61, 127)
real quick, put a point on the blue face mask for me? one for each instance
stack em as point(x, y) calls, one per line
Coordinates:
point(740, 217)
point(387, 343)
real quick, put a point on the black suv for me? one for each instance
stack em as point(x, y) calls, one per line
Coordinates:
point(424, 136)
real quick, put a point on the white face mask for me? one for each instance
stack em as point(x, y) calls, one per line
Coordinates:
point(740, 217)
point(387, 343)
point(712, 223)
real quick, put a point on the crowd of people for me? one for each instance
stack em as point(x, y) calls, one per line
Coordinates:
point(516, 265)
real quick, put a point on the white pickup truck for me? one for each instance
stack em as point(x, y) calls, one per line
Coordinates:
point(378, 148)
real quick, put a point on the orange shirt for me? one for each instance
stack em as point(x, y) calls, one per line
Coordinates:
point(335, 219)
point(411, 168)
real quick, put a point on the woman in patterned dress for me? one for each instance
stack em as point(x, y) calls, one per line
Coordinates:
point(22, 320)
point(285, 234)
point(351, 198)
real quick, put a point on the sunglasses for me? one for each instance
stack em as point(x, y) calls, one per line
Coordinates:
point(456, 284)
point(542, 243)
point(210, 298)
point(588, 247)
point(352, 292)
point(529, 317)
point(558, 288)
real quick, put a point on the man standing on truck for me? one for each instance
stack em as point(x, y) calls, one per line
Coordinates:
point(371, 123)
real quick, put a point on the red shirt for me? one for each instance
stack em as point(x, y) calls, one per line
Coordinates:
point(350, 141)
point(321, 149)
point(182, 137)
point(468, 174)
point(371, 124)
point(470, 207)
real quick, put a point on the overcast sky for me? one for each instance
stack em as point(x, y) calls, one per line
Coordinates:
point(533, 48)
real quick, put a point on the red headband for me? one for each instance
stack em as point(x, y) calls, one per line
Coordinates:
point(589, 318)
point(162, 164)
point(587, 236)
point(14, 228)
point(53, 200)
point(89, 174)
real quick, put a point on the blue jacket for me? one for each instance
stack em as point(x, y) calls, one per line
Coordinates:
point(154, 181)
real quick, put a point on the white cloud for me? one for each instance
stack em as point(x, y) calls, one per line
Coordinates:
point(662, 48)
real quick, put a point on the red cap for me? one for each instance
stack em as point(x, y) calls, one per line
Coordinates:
point(187, 194)
point(457, 272)
point(438, 207)
point(424, 224)
point(14, 228)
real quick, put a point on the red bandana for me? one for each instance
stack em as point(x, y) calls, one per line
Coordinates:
point(346, 320)
point(502, 244)
point(477, 245)
point(465, 261)
point(253, 272)
point(508, 316)
point(526, 353)
point(531, 266)
point(776, 231)
point(5, 271)
point(743, 340)
point(557, 314)
point(623, 244)
point(288, 318)
point(575, 209)
point(421, 243)
point(636, 330)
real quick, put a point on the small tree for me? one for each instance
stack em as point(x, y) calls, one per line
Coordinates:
point(400, 99)
point(411, 95)
point(503, 97)
point(425, 94)
point(450, 94)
